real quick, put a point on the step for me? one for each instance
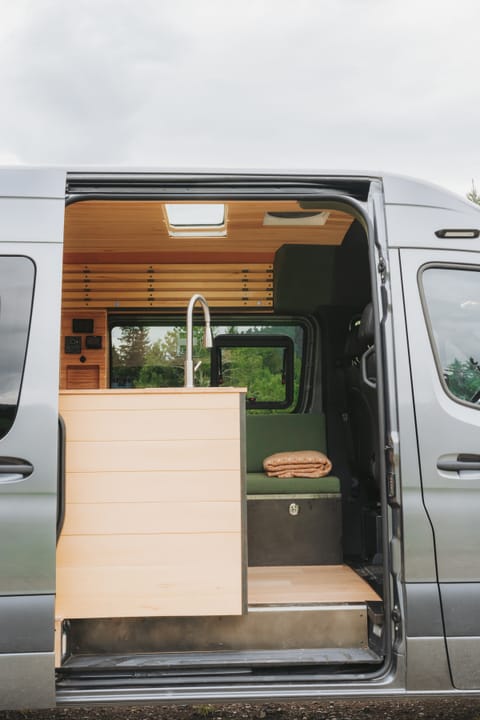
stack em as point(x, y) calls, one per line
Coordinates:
point(229, 662)
point(264, 627)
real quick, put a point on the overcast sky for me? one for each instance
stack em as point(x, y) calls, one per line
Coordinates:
point(338, 84)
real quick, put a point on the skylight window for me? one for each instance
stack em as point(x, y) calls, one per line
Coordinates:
point(196, 215)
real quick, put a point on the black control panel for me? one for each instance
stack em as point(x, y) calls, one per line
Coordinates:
point(82, 338)
point(93, 342)
point(73, 344)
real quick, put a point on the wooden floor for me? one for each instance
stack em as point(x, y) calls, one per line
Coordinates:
point(307, 584)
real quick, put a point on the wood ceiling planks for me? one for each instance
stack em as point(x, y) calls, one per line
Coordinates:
point(125, 231)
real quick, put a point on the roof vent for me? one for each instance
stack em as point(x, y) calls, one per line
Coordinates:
point(296, 218)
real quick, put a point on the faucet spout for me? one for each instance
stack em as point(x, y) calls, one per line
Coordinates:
point(208, 342)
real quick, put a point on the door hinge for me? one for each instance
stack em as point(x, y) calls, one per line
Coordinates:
point(396, 616)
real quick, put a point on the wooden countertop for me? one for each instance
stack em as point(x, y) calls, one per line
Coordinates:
point(159, 391)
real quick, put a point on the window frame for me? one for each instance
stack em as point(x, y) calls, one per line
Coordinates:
point(311, 339)
point(257, 341)
point(28, 326)
point(430, 330)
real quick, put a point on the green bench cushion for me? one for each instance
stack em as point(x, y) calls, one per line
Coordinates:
point(260, 484)
point(268, 434)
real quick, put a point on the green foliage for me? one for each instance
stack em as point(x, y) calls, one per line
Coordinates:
point(138, 362)
point(473, 194)
point(129, 356)
point(463, 378)
point(163, 365)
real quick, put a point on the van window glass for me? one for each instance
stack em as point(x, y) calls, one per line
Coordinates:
point(453, 301)
point(261, 362)
point(17, 275)
point(148, 355)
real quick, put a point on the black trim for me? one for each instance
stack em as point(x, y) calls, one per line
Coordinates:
point(254, 341)
point(439, 265)
point(143, 185)
point(62, 443)
point(458, 233)
point(309, 325)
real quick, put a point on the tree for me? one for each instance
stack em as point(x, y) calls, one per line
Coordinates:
point(473, 194)
point(463, 379)
point(129, 355)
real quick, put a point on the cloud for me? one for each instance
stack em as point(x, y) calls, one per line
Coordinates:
point(337, 83)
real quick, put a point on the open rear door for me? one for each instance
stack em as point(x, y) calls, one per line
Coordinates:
point(32, 206)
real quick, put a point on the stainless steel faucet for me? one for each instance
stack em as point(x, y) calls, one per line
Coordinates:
point(207, 337)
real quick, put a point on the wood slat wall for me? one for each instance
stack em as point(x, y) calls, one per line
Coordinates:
point(167, 286)
point(154, 504)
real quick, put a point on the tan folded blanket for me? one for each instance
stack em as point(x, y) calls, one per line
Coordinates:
point(299, 463)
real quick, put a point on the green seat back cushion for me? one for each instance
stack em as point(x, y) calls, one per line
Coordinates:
point(268, 434)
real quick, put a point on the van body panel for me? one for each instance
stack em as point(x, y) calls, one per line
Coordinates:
point(26, 623)
point(403, 190)
point(423, 610)
point(31, 233)
point(447, 428)
point(32, 220)
point(427, 665)
point(416, 226)
point(417, 536)
point(27, 681)
point(32, 182)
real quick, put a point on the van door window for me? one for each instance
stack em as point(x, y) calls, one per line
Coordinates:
point(17, 275)
point(452, 302)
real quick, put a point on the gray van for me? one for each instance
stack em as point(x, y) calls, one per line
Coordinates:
point(239, 416)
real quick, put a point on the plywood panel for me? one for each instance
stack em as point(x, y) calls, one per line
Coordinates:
point(167, 455)
point(148, 398)
point(307, 584)
point(142, 591)
point(151, 518)
point(140, 537)
point(133, 550)
point(154, 486)
point(187, 424)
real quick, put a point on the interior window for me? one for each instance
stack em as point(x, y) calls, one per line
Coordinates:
point(17, 275)
point(153, 355)
point(261, 362)
point(453, 302)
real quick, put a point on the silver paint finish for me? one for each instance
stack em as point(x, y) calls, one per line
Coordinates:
point(417, 540)
point(427, 665)
point(27, 681)
point(25, 182)
point(33, 228)
point(461, 603)
point(464, 653)
point(444, 426)
point(424, 612)
point(26, 623)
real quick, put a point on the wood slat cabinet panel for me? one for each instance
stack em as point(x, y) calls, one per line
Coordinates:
point(154, 504)
point(92, 372)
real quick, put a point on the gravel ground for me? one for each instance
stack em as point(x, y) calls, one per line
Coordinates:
point(429, 709)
